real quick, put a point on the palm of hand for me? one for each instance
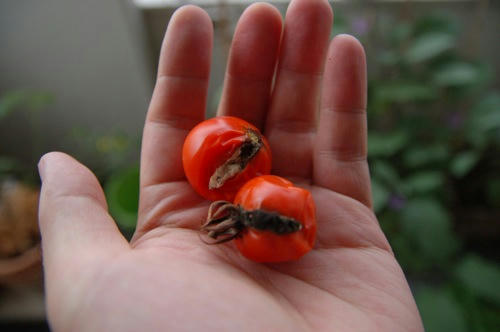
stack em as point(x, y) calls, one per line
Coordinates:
point(356, 285)
point(166, 278)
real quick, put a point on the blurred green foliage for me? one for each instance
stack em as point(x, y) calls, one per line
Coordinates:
point(109, 156)
point(434, 144)
point(31, 103)
point(104, 152)
point(122, 194)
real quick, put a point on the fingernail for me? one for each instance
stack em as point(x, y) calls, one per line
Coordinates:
point(41, 167)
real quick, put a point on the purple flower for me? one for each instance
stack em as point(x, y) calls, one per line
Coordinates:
point(360, 26)
point(397, 202)
point(455, 120)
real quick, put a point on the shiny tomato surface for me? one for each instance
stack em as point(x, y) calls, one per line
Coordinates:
point(275, 194)
point(210, 144)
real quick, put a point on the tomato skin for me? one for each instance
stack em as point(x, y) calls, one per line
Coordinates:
point(272, 193)
point(210, 144)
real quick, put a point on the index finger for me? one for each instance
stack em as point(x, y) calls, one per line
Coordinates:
point(179, 97)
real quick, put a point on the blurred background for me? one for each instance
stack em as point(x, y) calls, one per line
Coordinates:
point(77, 76)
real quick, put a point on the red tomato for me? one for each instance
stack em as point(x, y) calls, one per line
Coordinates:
point(271, 220)
point(221, 154)
point(274, 194)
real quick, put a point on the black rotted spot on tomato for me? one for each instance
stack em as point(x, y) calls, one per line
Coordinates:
point(270, 221)
point(226, 221)
point(238, 160)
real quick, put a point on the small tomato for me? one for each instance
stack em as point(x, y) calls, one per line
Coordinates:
point(221, 154)
point(271, 220)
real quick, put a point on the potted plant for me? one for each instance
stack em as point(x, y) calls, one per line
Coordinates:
point(20, 254)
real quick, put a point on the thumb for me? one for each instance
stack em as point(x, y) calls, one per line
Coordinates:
point(73, 217)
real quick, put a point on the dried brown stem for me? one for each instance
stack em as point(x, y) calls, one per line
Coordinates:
point(226, 221)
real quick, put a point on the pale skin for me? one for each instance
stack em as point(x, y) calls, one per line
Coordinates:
point(166, 279)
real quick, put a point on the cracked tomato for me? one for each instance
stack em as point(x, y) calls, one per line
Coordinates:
point(221, 154)
point(271, 220)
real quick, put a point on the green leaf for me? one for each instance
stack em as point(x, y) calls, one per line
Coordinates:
point(429, 46)
point(380, 195)
point(427, 224)
point(401, 92)
point(406, 255)
point(388, 58)
point(424, 155)
point(490, 318)
point(340, 25)
point(386, 144)
point(480, 276)
point(463, 163)
point(437, 21)
point(485, 115)
point(122, 193)
point(400, 32)
point(440, 311)
point(457, 74)
point(38, 100)
point(10, 101)
point(423, 182)
point(488, 121)
point(33, 100)
point(493, 192)
point(489, 103)
point(8, 164)
point(386, 173)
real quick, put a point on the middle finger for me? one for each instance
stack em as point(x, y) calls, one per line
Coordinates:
point(250, 69)
point(291, 122)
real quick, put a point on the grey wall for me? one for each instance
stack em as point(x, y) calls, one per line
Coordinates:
point(90, 54)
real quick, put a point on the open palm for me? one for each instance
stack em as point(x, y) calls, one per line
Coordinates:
point(166, 278)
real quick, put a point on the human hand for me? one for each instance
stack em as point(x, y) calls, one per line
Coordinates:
point(166, 278)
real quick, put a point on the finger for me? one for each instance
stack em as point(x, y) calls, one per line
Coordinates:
point(179, 97)
point(291, 123)
point(340, 150)
point(73, 215)
point(251, 64)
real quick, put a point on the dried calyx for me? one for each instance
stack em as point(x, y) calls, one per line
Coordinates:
point(238, 161)
point(226, 221)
